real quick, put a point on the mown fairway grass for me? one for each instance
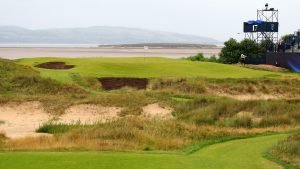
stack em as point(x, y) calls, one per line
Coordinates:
point(238, 154)
point(143, 67)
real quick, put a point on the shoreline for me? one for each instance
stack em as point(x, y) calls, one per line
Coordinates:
point(78, 52)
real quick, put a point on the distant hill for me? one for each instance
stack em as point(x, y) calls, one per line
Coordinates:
point(96, 35)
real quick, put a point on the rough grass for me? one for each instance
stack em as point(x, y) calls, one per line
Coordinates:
point(2, 139)
point(199, 113)
point(133, 134)
point(224, 112)
point(210, 117)
point(266, 67)
point(58, 128)
point(19, 79)
point(288, 152)
point(285, 88)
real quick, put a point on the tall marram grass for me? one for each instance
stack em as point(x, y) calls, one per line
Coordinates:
point(200, 115)
point(288, 151)
point(287, 88)
point(211, 110)
point(133, 134)
point(2, 139)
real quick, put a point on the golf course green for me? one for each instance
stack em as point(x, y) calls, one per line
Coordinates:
point(142, 67)
point(237, 154)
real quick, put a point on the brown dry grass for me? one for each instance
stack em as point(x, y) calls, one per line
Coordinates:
point(204, 115)
point(241, 89)
point(135, 134)
point(288, 151)
point(266, 67)
point(2, 139)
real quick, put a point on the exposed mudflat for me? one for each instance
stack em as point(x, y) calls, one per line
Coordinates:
point(30, 52)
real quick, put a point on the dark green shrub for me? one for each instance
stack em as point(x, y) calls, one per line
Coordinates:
point(198, 57)
point(52, 128)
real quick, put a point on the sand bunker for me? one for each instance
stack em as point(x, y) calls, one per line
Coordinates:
point(55, 65)
point(118, 83)
point(22, 119)
point(89, 114)
point(157, 112)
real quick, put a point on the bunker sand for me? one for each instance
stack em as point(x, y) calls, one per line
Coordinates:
point(89, 114)
point(155, 111)
point(22, 120)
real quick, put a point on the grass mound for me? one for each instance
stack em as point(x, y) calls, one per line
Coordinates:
point(20, 79)
point(10, 69)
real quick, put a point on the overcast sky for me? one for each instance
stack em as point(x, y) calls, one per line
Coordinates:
point(219, 19)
